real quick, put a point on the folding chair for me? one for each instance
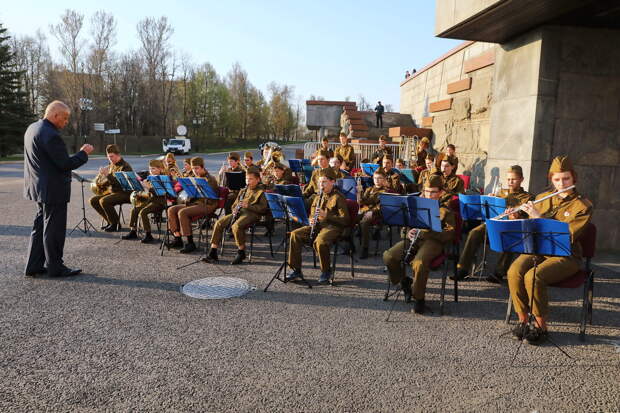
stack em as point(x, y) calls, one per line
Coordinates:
point(347, 236)
point(583, 277)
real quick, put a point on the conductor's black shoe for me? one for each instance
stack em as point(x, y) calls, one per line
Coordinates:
point(419, 306)
point(36, 272)
point(238, 258)
point(520, 330)
point(176, 243)
point(405, 284)
point(536, 336)
point(495, 278)
point(147, 238)
point(189, 247)
point(104, 226)
point(460, 275)
point(294, 275)
point(324, 278)
point(130, 235)
point(67, 272)
point(364, 254)
point(113, 228)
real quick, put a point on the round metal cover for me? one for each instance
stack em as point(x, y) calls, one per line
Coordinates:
point(216, 288)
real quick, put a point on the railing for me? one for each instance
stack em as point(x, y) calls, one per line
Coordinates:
point(362, 150)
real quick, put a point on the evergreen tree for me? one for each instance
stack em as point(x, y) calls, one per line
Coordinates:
point(14, 113)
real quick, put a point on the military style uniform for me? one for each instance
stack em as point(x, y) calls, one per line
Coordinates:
point(393, 180)
point(104, 204)
point(476, 235)
point(443, 156)
point(148, 203)
point(181, 215)
point(312, 187)
point(347, 153)
point(428, 246)
point(577, 212)
point(257, 206)
point(377, 156)
point(369, 202)
point(329, 229)
point(328, 153)
point(453, 185)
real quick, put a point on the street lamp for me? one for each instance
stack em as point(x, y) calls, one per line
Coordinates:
point(86, 105)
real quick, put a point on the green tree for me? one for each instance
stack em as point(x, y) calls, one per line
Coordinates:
point(14, 113)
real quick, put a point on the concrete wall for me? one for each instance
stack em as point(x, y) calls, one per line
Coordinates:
point(323, 116)
point(467, 123)
point(557, 91)
point(449, 13)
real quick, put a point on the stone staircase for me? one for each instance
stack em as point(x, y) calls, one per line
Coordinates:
point(361, 124)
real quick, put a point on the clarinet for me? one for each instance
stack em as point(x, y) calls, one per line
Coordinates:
point(237, 209)
point(409, 255)
point(317, 210)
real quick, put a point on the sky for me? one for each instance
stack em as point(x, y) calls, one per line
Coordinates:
point(332, 49)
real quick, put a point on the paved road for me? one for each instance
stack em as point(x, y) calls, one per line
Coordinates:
point(121, 337)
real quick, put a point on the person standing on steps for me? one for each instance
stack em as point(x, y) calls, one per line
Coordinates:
point(379, 109)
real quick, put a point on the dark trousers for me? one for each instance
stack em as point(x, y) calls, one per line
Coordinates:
point(379, 120)
point(47, 239)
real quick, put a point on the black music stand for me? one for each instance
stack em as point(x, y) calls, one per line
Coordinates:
point(165, 183)
point(84, 220)
point(535, 237)
point(481, 207)
point(286, 208)
point(409, 212)
point(235, 180)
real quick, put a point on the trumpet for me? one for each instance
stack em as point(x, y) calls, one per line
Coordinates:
point(505, 214)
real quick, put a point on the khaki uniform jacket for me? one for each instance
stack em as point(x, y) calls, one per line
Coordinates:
point(421, 161)
point(453, 185)
point(120, 166)
point(575, 210)
point(516, 199)
point(370, 200)
point(347, 153)
point(328, 153)
point(272, 184)
point(335, 205)
point(393, 180)
point(257, 202)
point(378, 155)
point(312, 187)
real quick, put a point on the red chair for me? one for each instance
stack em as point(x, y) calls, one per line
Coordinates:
point(466, 180)
point(583, 277)
point(347, 236)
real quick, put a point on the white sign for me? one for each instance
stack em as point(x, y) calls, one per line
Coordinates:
point(182, 130)
point(113, 131)
point(99, 127)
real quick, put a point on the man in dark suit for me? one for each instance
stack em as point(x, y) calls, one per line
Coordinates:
point(47, 181)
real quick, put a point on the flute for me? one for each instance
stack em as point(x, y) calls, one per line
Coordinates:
point(500, 216)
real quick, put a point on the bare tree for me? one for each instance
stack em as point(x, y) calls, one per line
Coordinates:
point(32, 57)
point(362, 103)
point(68, 34)
point(103, 32)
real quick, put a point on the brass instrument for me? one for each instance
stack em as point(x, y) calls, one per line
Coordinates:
point(315, 217)
point(500, 216)
point(141, 198)
point(360, 189)
point(101, 185)
point(221, 175)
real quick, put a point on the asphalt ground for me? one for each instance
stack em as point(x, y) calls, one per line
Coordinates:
point(121, 337)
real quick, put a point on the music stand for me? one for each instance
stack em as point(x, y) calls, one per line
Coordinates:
point(411, 212)
point(198, 188)
point(348, 188)
point(87, 223)
point(535, 237)
point(296, 167)
point(406, 175)
point(129, 181)
point(369, 168)
point(289, 190)
point(286, 208)
point(235, 180)
point(481, 208)
point(163, 186)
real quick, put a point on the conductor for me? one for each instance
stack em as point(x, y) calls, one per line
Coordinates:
point(47, 181)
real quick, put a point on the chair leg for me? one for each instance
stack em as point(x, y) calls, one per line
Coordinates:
point(584, 311)
point(387, 293)
point(313, 257)
point(271, 244)
point(334, 263)
point(352, 261)
point(590, 296)
point(223, 243)
point(456, 283)
point(252, 229)
point(508, 310)
point(442, 300)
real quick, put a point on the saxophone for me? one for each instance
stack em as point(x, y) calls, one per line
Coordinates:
point(315, 217)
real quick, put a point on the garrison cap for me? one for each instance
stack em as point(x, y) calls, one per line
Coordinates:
point(197, 161)
point(516, 169)
point(113, 148)
point(248, 155)
point(425, 140)
point(561, 164)
point(156, 163)
point(234, 156)
point(328, 173)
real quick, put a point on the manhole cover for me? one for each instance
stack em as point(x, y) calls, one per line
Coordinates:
point(216, 288)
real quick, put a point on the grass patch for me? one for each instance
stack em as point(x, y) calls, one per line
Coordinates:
point(12, 158)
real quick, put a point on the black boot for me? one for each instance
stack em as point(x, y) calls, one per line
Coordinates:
point(176, 243)
point(130, 235)
point(239, 258)
point(147, 238)
point(460, 275)
point(364, 254)
point(113, 228)
point(212, 256)
point(418, 306)
point(405, 284)
point(189, 246)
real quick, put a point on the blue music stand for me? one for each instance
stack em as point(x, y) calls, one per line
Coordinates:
point(286, 208)
point(295, 165)
point(370, 168)
point(406, 175)
point(289, 190)
point(348, 187)
point(481, 207)
point(129, 181)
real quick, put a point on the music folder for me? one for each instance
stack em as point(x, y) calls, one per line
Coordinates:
point(538, 236)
